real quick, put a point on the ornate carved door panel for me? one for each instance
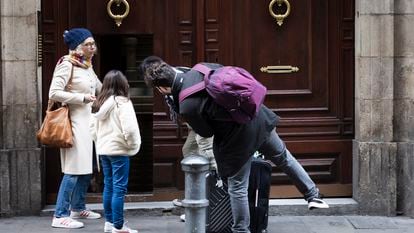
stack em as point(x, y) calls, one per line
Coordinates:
point(315, 102)
point(314, 93)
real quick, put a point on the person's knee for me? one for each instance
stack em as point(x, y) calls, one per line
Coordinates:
point(281, 158)
point(120, 189)
point(284, 159)
point(238, 191)
point(108, 188)
point(239, 194)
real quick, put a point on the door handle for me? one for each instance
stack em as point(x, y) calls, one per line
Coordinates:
point(279, 18)
point(279, 69)
point(118, 18)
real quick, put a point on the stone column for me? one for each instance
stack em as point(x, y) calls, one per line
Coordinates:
point(375, 164)
point(404, 103)
point(20, 156)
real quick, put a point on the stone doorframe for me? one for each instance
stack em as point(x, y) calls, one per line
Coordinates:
point(383, 160)
point(20, 154)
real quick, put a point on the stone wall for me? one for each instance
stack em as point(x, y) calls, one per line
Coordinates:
point(383, 146)
point(375, 166)
point(404, 103)
point(20, 156)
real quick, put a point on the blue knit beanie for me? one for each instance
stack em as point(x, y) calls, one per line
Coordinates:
point(75, 37)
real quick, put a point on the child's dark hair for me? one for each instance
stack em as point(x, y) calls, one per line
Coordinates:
point(156, 72)
point(114, 84)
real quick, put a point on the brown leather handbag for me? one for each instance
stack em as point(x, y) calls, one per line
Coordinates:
point(56, 129)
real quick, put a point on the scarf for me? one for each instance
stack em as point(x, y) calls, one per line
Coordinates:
point(78, 60)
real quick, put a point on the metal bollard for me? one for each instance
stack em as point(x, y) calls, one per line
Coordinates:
point(195, 202)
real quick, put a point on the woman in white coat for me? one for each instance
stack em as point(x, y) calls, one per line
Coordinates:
point(75, 84)
point(114, 128)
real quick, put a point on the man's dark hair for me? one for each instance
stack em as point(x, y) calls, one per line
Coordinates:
point(156, 72)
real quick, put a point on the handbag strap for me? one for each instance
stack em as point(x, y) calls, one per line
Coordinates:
point(68, 85)
point(51, 103)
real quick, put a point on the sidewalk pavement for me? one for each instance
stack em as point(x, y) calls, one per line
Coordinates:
point(277, 224)
point(286, 216)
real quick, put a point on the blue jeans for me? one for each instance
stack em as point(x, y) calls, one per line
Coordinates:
point(116, 171)
point(275, 149)
point(71, 195)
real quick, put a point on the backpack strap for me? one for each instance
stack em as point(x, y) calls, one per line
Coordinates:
point(197, 87)
point(202, 69)
point(191, 90)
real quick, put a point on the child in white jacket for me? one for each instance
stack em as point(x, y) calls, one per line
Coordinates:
point(115, 130)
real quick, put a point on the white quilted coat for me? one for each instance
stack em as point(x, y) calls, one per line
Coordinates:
point(115, 128)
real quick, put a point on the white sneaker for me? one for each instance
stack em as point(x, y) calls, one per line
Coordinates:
point(124, 229)
point(317, 203)
point(108, 227)
point(182, 218)
point(66, 222)
point(85, 214)
point(177, 202)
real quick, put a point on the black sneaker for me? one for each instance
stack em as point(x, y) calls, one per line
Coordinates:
point(317, 203)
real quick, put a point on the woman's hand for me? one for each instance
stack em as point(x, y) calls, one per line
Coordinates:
point(89, 98)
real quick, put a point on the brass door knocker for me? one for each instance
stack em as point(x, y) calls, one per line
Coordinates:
point(118, 18)
point(279, 18)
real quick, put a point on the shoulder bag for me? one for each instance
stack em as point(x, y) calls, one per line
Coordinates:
point(56, 129)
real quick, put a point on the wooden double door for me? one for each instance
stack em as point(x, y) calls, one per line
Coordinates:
point(306, 60)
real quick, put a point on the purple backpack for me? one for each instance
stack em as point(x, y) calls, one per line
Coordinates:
point(231, 87)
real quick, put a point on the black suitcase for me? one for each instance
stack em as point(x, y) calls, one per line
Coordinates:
point(259, 190)
point(219, 216)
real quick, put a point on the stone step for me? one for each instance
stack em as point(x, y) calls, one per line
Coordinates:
point(277, 207)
